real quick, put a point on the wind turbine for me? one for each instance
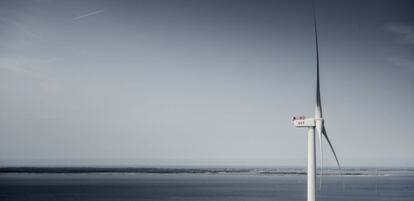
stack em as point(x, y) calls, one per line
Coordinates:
point(315, 124)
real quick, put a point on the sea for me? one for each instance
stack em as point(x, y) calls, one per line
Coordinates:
point(215, 184)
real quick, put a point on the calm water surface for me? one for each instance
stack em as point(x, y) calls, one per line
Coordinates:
point(191, 187)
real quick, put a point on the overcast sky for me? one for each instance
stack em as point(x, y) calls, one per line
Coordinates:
point(203, 82)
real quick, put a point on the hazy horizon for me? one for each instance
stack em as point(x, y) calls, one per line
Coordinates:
point(210, 83)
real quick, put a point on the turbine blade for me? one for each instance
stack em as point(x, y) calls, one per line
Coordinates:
point(318, 91)
point(330, 144)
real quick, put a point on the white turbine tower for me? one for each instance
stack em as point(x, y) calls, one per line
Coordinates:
point(315, 124)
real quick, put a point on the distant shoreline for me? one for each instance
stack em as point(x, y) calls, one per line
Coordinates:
point(246, 171)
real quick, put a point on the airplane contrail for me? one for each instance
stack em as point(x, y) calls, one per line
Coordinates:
point(89, 14)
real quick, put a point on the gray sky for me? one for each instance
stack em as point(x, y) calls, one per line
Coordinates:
point(203, 82)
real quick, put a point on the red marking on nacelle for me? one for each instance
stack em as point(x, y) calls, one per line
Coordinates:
point(299, 118)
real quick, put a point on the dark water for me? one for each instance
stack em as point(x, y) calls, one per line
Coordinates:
point(186, 187)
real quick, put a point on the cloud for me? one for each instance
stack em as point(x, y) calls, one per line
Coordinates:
point(402, 56)
point(29, 67)
point(33, 69)
point(403, 62)
point(89, 14)
point(404, 32)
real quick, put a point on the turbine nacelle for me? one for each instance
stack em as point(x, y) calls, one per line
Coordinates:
point(302, 121)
